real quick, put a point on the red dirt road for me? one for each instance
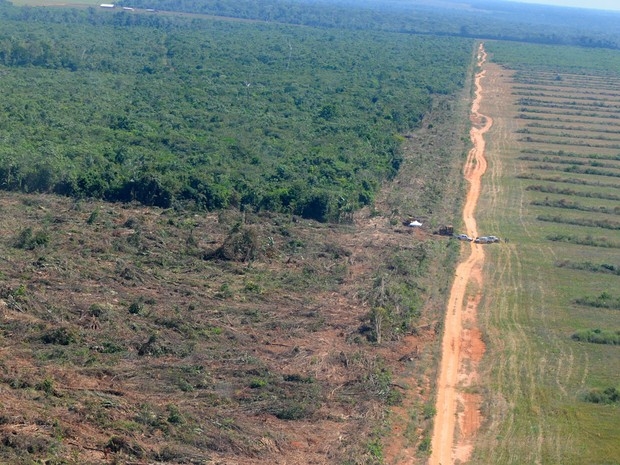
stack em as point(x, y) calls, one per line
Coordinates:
point(462, 346)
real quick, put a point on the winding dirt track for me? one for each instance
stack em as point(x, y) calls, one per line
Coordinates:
point(462, 347)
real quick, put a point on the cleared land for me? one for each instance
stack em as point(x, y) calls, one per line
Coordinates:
point(551, 189)
point(142, 335)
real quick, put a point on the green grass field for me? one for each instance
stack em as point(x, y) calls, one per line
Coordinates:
point(537, 379)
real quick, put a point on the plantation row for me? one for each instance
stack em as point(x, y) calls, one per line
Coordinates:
point(574, 168)
point(539, 128)
point(584, 147)
point(567, 204)
point(567, 180)
point(594, 167)
point(568, 124)
point(536, 112)
point(569, 160)
point(598, 336)
point(587, 240)
point(558, 120)
point(572, 104)
point(571, 192)
point(589, 266)
point(597, 83)
point(563, 153)
point(558, 93)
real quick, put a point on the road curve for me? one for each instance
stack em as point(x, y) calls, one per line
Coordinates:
point(444, 450)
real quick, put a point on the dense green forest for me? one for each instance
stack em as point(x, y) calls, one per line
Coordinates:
point(482, 19)
point(300, 111)
point(213, 113)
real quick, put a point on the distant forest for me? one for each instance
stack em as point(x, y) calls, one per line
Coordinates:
point(481, 19)
point(212, 114)
point(208, 113)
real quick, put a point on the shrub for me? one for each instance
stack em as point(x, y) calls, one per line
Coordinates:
point(174, 416)
point(297, 378)
point(597, 336)
point(109, 347)
point(293, 410)
point(59, 336)
point(98, 311)
point(136, 307)
point(609, 395)
point(29, 240)
point(153, 347)
point(425, 444)
point(258, 383)
point(93, 216)
point(170, 454)
point(25, 443)
point(604, 300)
point(47, 386)
point(119, 444)
point(375, 449)
point(241, 245)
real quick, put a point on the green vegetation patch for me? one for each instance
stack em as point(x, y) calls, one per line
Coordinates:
point(570, 205)
point(213, 114)
point(589, 266)
point(597, 336)
point(584, 240)
point(604, 300)
point(604, 224)
point(609, 395)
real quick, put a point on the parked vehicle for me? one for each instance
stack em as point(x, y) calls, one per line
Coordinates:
point(464, 237)
point(446, 230)
point(486, 239)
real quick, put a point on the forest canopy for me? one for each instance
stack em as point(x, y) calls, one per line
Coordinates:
point(480, 19)
point(288, 105)
point(212, 113)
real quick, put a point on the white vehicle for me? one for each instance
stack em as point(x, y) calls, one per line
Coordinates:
point(486, 239)
point(464, 237)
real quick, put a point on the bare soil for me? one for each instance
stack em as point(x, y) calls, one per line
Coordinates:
point(123, 341)
point(462, 346)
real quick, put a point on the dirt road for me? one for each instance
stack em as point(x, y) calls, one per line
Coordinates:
point(462, 346)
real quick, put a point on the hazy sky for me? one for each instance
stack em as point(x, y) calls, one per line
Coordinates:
point(598, 4)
